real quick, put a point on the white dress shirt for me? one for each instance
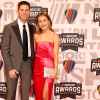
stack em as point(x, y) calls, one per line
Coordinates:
point(20, 24)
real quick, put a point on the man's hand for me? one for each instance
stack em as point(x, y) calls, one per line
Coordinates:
point(13, 73)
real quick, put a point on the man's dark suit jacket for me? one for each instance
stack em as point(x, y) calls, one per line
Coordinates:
point(11, 48)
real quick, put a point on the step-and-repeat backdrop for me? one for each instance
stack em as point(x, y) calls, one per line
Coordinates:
point(77, 22)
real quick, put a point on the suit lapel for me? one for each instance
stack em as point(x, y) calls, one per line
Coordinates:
point(31, 33)
point(17, 31)
point(31, 36)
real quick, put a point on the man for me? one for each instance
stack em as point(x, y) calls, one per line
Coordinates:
point(18, 52)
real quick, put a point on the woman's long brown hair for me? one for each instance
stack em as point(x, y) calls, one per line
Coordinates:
point(47, 16)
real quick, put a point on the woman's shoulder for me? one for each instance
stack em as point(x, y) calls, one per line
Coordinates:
point(55, 35)
point(36, 35)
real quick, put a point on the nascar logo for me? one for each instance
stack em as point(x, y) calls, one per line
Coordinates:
point(70, 15)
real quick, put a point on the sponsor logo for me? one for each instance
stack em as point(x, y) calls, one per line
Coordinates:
point(70, 15)
point(71, 41)
point(95, 65)
point(68, 65)
point(3, 89)
point(67, 89)
point(96, 16)
point(35, 10)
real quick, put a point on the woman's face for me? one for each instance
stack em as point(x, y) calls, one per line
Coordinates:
point(43, 23)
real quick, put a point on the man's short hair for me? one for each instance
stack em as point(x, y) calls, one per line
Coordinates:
point(23, 3)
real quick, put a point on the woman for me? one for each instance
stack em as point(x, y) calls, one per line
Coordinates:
point(46, 58)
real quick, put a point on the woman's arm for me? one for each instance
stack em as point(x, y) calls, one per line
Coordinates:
point(56, 51)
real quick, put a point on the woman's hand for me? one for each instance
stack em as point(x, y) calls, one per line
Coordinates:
point(55, 74)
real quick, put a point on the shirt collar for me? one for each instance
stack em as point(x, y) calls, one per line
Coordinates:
point(21, 23)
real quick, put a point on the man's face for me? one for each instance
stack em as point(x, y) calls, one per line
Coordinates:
point(23, 13)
